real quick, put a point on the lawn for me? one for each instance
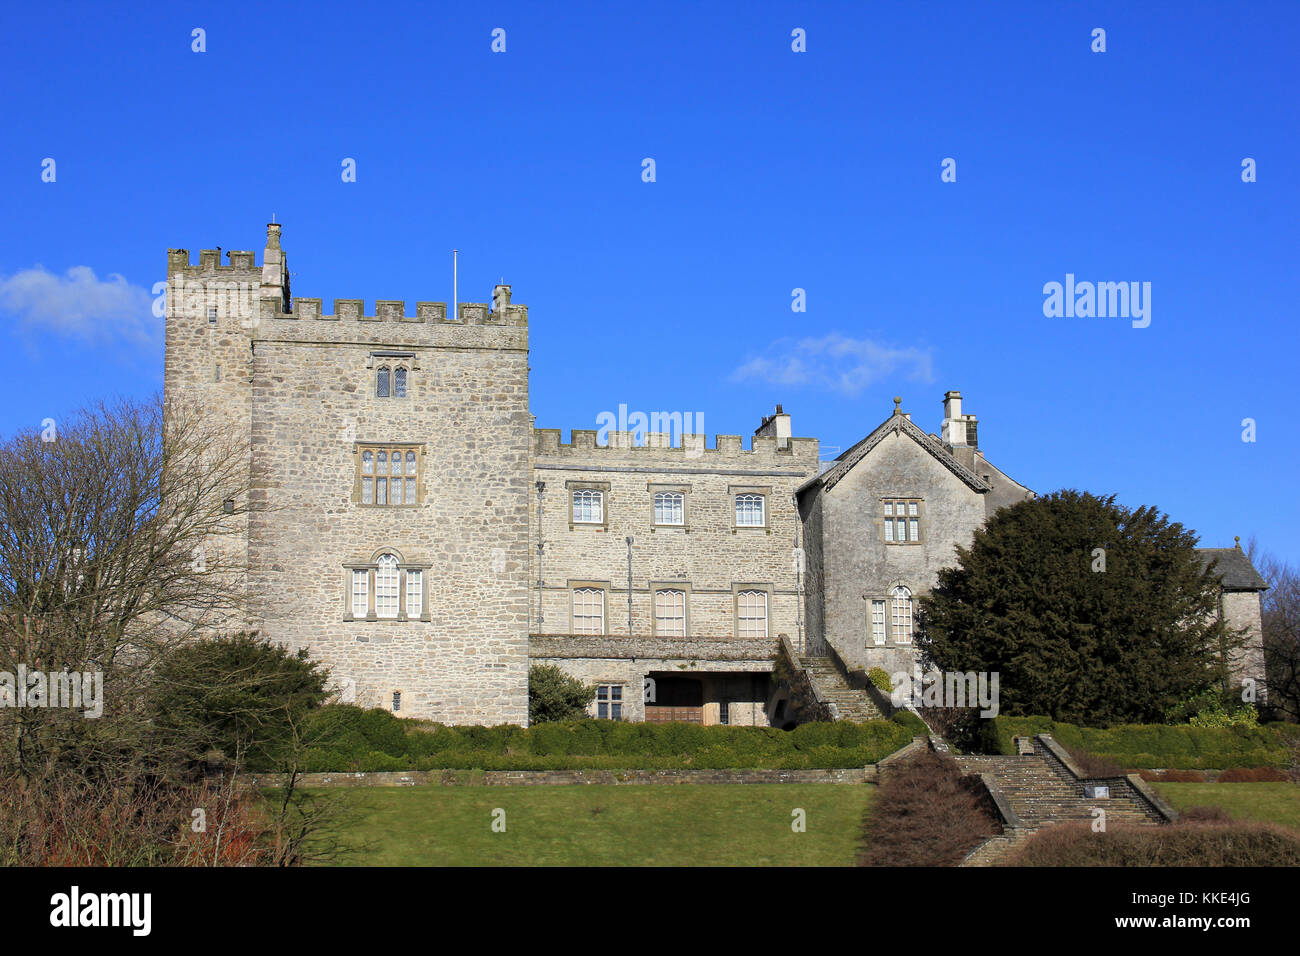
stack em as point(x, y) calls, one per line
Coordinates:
point(1269, 802)
point(681, 825)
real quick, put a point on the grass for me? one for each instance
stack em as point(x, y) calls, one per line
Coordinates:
point(1265, 802)
point(595, 825)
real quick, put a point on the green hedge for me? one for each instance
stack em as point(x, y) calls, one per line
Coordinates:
point(350, 739)
point(1148, 746)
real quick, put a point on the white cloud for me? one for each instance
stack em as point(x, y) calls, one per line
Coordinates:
point(80, 305)
point(835, 362)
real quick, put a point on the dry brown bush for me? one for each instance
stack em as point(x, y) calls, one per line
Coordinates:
point(926, 814)
point(1194, 843)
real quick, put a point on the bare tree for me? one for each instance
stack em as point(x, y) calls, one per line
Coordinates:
point(116, 543)
point(1280, 608)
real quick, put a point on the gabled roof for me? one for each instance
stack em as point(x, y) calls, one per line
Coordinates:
point(898, 422)
point(1234, 569)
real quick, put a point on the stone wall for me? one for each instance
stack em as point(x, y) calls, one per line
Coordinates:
point(302, 385)
point(708, 556)
point(1241, 611)
point(859, 566)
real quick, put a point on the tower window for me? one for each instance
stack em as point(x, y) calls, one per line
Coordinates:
point(381, 381)
point(386, 590)
point(387, 475)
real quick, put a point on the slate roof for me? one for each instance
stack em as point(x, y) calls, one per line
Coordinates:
point(896, 422)
point(1234, 569)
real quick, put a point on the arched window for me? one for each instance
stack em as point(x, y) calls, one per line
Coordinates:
point(588, 507)
point(376, 590)
point(588, 611)
point(669, 507)
point(399, 382)
point(901, 618)
point(670, 613)
point(386, 586)
point(381, 382)
point(749, 511)
point(751, 613)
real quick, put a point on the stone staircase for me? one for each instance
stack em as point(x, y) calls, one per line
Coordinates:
point(1040, 796)
point(850, 703)
point(1040, 790)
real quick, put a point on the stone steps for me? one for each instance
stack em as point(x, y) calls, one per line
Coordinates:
point(1040, 795)
point(850, 703)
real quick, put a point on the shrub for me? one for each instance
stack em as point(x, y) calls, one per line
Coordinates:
point(926, 814)
point(880, 677)
point(960, 726)
point(348, 738)
point(554, 695)
point(914, 724)
point(1198, 842)
point(1091, 765)
point(1253, 775)
point(239, 696)
point(1153, 745)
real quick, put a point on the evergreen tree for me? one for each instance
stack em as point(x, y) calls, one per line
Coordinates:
point(1090, 612)
point(554, 695)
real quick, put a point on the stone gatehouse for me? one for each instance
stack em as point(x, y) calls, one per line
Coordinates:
point(409, 526)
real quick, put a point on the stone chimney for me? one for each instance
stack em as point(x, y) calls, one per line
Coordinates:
point(776, 425)
point(958, 429)
point(275, 271)
point(500, 299)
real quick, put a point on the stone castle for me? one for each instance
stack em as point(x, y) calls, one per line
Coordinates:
point(409, 526)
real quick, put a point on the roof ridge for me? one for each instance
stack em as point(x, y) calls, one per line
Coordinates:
point(900, 422)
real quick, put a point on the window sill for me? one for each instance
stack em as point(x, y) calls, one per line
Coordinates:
point(373, 619)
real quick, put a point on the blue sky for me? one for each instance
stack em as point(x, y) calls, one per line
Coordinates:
point(775, 170)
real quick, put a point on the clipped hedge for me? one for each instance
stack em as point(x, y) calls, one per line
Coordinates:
point(1144, 746)
point(349, 739)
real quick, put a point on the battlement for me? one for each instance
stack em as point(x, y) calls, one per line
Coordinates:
point(260, 296)
point(241, 262)
point(392, 310)
point(622, 447)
